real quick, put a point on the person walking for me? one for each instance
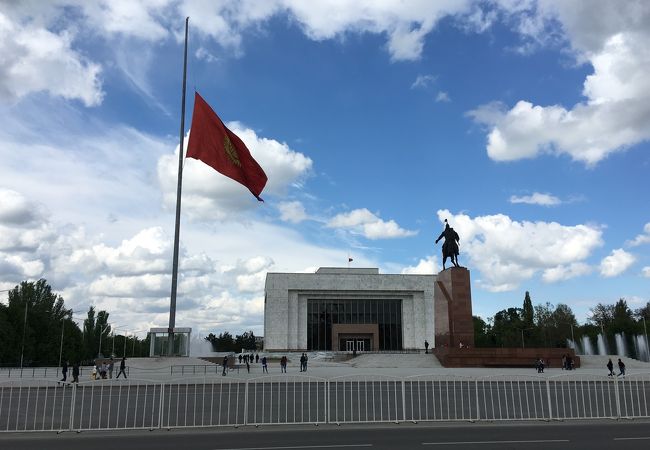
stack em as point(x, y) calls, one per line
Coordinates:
point(283, 364)
point(265, 369)
point(610, 368)
point(64, 370)
point(75, 372)
point(248, 366)
point(621, 367)
point(302, 362)
point(111, 364)
point(426, 346)
point(305, 365)
point(122, 367)
point(225, 365)
point(240, 358)
point(257, 357)
point(102, 370)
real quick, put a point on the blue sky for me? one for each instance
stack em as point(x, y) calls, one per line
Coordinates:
point(524, 123)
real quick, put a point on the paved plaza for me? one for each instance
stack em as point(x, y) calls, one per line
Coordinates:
point(413, 388)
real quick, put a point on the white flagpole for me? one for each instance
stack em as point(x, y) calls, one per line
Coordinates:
point(172, 302)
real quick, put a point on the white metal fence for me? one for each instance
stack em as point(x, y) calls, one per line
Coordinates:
point(42, 405)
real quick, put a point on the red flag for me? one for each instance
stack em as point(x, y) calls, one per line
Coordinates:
point(221, 149)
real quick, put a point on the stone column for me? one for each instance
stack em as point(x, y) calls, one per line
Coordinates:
point(453, 308)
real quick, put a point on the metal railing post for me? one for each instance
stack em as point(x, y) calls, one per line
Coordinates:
point(478, 410)
point(162, 403)
point(328, 401)
point(548, 397)
point(403, 401)
point(618, 398)
point(246, 403)
point(73, 396)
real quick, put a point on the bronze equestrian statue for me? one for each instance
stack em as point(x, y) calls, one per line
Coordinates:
point(450, 246)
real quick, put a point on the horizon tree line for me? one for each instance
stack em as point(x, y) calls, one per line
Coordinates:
point(36, 329)
point(548, 325)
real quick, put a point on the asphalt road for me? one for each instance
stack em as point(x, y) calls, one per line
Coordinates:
point(591, 435)
point(138, 405)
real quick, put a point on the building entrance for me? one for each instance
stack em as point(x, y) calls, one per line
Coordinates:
point(352, 343)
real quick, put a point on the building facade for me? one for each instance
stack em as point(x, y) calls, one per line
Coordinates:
point(344, 309)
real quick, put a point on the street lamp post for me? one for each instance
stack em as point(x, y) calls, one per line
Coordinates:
point(99, 352)
point(113, 333)
point(645, 331)
point(134, 339)
point(22, 349)
point(522, 336)
point(61, 347)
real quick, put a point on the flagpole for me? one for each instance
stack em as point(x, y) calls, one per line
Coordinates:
point(172, 302)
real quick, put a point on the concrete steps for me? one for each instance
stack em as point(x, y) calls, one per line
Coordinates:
point(394, 360)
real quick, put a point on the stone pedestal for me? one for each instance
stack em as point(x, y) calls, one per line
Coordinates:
point(453, 309)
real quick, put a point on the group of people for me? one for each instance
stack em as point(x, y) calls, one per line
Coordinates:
point(100, 371)
point(248, 359)
point(567, 362)
point(621, 368)
point(64, 372)
point(539, 365)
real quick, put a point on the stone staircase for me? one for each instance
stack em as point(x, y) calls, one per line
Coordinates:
point(394, 360)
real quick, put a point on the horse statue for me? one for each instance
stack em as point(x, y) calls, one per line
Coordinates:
point(450, 246)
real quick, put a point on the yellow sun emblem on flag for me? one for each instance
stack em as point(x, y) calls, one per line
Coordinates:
point(231, 151)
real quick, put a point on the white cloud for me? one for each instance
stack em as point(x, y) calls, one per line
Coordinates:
point(34, 59)
point(428, 266)
point(508, 252)
point(613, 39)
point(616, 263)
point(405, 23)
point(442, 97)
point(362, 221)
point(646, 271)
point(566, 272)
point(16, 210)
point(204, 54)
point(423, 81)
point(643, 238)
point(208, 195)
point(293, 212)
point(536, 199)
point(124, 18)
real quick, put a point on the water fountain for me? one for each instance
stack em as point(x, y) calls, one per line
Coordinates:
point(587, 348)
point(621, 348)
point(602, 345)
point(570, 343)
point(641, 345)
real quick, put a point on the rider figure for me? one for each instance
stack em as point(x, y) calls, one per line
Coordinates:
point(450, 246)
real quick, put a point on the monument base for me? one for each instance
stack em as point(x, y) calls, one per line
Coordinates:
point(503, 357)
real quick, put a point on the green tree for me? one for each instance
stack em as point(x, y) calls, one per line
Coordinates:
point(643, 313)
point(482, 333)
point(222, 343)
point(602, 315)
point(96, 324)
point(245, 341)
point(507, 327)
point(528, 312)
point(32, 324)
point(623, 319)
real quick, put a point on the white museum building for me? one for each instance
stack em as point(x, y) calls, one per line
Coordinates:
point(347, 309)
